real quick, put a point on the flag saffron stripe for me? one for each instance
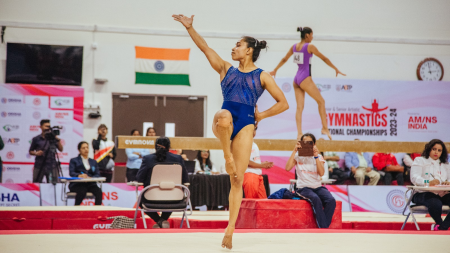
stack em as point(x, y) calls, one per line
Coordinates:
point(153, 78)
point(153, 53)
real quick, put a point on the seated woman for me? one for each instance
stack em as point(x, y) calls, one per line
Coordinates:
point(435, 156)
point(144, 174)
point(203, 163)
point(134, 158)
point(84, 167)
point(151, 132)
point(309, 172)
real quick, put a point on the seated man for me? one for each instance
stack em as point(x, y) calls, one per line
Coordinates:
point(361, 166)
point(309, 172)
point(84, 167)
point(333, 167)
point(389, 165)
point(253, 180)
point(144, 174)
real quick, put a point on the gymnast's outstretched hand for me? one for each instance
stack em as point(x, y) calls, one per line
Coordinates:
point(186, 21)
point(339, 72)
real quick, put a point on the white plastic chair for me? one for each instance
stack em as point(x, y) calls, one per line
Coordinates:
point(165, 193)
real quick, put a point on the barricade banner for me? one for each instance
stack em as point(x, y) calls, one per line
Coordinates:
point(383, 199)
point(116, 194)
point(14, 195)
point(22, 107)
point(340, 193)
point(50, 193)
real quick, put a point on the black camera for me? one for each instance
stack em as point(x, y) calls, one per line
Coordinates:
point(52, 132)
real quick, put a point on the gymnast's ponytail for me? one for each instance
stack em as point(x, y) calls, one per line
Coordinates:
point(303, 31)
point(256, 45)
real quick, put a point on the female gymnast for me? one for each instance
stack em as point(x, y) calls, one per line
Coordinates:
point(303, 53)
point(234, 123)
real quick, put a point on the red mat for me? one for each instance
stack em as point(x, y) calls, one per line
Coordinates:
point(168, 231)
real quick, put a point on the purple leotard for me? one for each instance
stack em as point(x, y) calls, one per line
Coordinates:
point(304, 70)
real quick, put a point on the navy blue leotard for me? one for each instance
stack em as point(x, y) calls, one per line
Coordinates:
point(240, 93)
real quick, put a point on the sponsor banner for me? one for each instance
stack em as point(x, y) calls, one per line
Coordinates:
point(61, 102)
point(116, 194)
point(19, 195)
point(62, 116)
point(17, 173)
point(9, 128)
point(383, 199)
point(23, 107)
point(11, 114)
point(11, 100)
point(369, 110)
point(37, 102)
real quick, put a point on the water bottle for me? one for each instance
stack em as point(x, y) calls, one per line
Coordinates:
point(427, 180)
point(207, 170)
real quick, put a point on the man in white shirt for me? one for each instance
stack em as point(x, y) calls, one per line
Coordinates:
point(309, 171)
point(253, 180)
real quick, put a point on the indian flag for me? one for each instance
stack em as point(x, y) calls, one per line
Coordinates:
point(162, 66)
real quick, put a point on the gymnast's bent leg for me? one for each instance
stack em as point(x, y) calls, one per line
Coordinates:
point(222, 129)
point(241, 148)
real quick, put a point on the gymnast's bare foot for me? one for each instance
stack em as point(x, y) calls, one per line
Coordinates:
point(227, 241)
point(230, 167)
point(327, 132)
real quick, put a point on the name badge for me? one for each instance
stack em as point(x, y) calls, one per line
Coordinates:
point(298, 57)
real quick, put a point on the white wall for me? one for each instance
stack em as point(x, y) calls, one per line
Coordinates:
point(114, 58)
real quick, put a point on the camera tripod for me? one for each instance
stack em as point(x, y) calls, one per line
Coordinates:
point(54, 170)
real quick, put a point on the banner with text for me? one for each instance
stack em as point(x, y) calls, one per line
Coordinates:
point(369, 110)
point(22, 107)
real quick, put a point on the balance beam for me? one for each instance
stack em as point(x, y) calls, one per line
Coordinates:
point(199, 143)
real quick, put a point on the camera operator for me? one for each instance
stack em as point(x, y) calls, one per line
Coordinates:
point(41, 146)
point(104, 153)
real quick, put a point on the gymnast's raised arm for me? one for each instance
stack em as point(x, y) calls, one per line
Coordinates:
point(282, 62)
point(217, 63)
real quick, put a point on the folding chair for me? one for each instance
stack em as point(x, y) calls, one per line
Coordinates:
point(165, 192)
point(418, 209)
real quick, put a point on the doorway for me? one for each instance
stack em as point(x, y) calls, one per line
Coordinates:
point(131, 111)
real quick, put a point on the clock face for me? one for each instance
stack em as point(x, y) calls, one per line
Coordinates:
point(430, 70)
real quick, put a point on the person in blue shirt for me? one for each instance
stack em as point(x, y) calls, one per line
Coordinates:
point(361, 166)
point(84, 167)
point(134, 158)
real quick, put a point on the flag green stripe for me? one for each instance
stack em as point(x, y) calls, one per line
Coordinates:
point(168, 79)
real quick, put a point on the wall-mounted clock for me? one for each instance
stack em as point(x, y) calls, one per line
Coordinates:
point(430, 69)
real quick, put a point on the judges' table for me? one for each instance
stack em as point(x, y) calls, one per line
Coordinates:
point(213, 190)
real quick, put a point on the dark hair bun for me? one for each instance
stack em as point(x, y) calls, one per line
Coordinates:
point(262, 44)
point(299, 29)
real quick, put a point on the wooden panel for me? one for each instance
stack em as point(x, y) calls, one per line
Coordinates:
point(130, 113)
point(197, 143)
